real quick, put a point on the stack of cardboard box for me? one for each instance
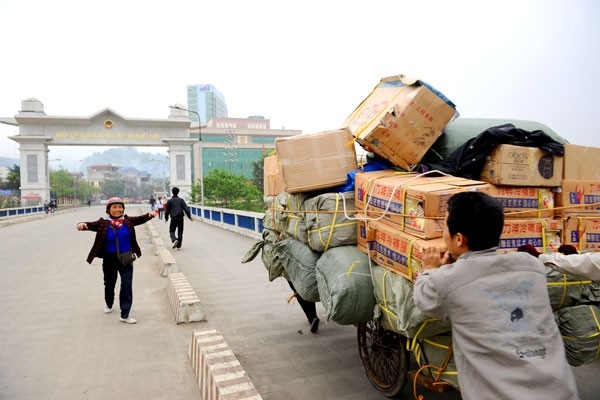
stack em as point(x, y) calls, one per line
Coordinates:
point(548, 199)
point(524, 179)
point(399, 121)
point(578, 200)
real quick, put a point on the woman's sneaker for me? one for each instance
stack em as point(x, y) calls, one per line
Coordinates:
point(128, 320)
point(107, 310)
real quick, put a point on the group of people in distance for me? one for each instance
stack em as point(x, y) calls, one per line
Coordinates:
point(506, 342)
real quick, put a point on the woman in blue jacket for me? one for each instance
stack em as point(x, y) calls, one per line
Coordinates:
point(116, 234)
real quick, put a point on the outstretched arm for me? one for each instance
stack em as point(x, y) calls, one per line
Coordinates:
point(586, 265)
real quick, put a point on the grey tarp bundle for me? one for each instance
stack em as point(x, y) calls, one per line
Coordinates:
point(326, 221)
point(269, 257)
point(580, 329)
point(293, 203)
point(345, 286)
point(299, 263)
point(275, 216)
point(284, 215)
point(568, 290)
point(396, 308)
point(435, 351)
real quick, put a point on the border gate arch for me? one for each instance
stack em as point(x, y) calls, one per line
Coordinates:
point(37, 131)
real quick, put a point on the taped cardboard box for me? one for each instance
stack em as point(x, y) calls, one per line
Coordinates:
point(273, 178)
point(579, 198)
point(416, 204)
point(365, 234)
point(524, 202)
point(581, 163)
point(583, 232)
point(400, 251)
point(365, 181)
point(316, 161)
point(401, 119)
point(522, 166)
point(545, 234)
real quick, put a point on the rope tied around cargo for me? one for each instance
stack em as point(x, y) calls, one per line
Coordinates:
point(369, 193)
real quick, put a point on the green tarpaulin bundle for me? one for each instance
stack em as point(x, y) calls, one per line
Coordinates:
point(269, 257)
point(395, 306)
point(283, 215)
point(328, 220)
point(345, 286)
point(580, 330)
point(567, 290)
point(436, 351)
point(299, 263)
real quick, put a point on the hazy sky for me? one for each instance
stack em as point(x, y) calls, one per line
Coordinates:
point(302, 64)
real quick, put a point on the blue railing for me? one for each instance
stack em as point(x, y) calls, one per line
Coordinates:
point(245, 223)
point(20, 211)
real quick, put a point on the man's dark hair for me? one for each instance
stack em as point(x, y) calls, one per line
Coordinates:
point(175, 191)
point(478, 216)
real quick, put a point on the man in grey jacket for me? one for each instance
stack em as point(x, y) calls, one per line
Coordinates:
point(506, 342)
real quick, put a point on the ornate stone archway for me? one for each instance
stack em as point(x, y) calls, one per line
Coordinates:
point(37, 131)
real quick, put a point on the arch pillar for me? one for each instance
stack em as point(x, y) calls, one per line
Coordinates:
point(35, 178)
point(180, 164)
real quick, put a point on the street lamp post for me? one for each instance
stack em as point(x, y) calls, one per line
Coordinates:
point(180, 107)
point(75, 182)
point(49, 187)
point(163, 176)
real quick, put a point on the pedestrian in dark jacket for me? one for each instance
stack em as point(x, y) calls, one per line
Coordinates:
point(117, 227)
point(176, 210)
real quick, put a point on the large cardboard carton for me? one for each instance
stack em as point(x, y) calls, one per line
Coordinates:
point(522, 166)
point(583, 232)
point(542, 233)
point(364, 183)
point(579, 198)
point(524, 202)
point(581, 163)
point(316, 161)
point(416, 204)
point(273, 178)
point(401, 119)
point(365, 234)
point(401, 251)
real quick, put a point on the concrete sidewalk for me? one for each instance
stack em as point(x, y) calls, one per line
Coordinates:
point(56, 341)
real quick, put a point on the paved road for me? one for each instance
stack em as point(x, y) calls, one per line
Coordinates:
point(58, 344)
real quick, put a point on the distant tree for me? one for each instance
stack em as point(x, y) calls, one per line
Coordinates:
point(258, 173)
point(61, 183)
point(13, 180)
point(113, 188)
point(228, 190)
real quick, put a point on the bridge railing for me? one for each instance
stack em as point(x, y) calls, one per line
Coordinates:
point(245, 223)
point(20, 211)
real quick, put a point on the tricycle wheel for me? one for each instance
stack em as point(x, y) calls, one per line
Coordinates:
point(384, 358)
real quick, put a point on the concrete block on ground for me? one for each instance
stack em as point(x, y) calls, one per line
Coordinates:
point(184, 301)
point(219, 373)
point(166, 262)
point(157, 244)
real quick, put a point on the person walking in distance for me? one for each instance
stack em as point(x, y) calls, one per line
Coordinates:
point(176, 210)
point(116, 235)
